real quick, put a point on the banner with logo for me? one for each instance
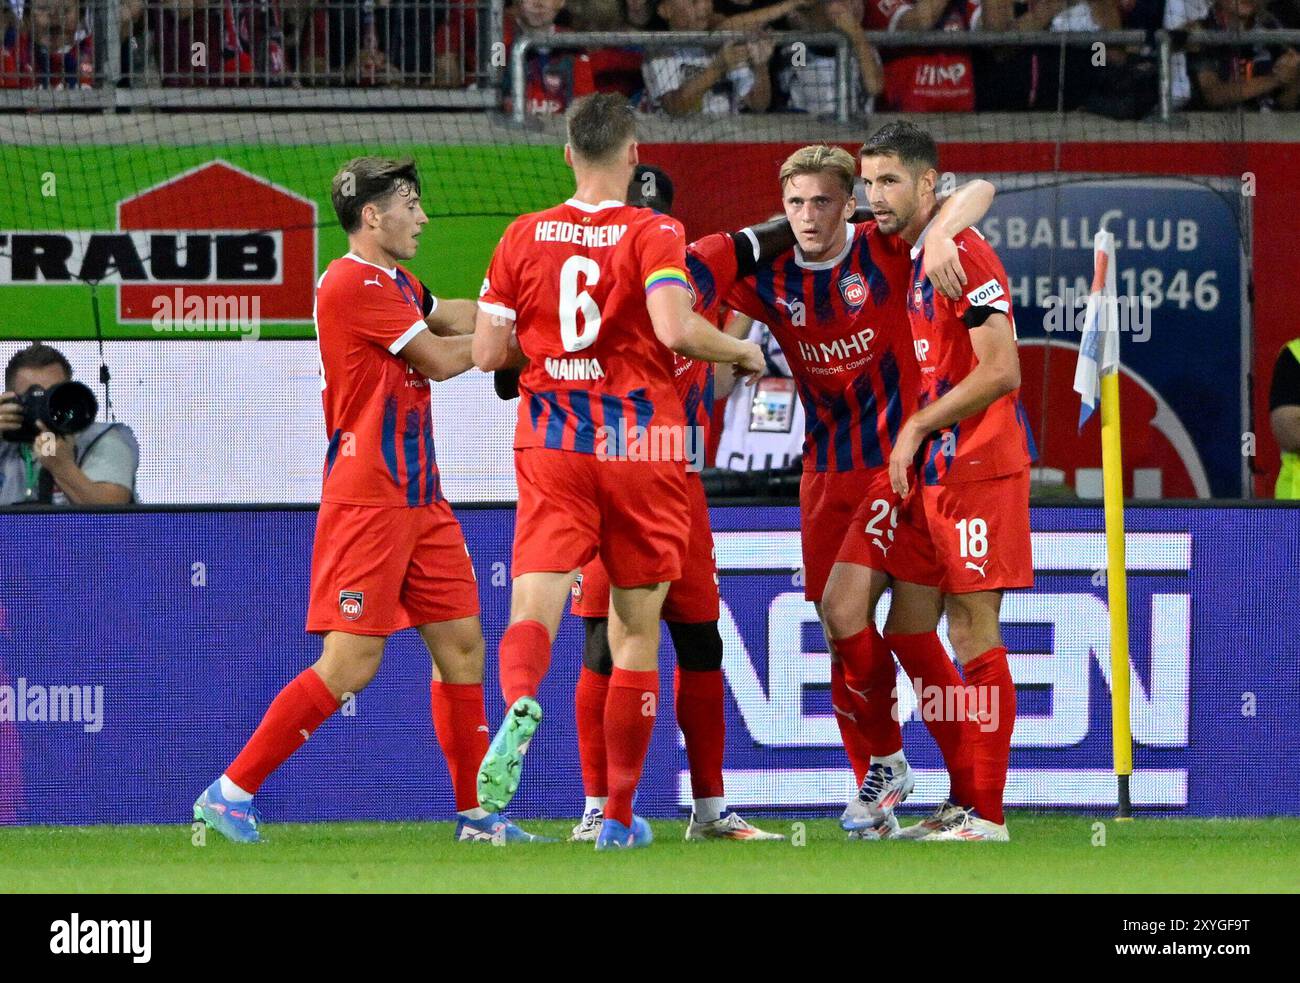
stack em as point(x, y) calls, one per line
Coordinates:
point(191, 243)
point(186, 625)
point(1184, 342)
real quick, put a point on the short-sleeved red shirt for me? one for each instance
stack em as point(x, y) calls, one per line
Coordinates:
point(377, 407)
point(574, 279)
point(995, 441)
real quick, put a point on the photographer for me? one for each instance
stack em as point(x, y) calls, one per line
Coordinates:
point(94, 464)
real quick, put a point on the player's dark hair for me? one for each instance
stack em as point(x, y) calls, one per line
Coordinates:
point(366, 180)
point(906, 141)
point(599, 125)
point(651, 188)
point(35, 356)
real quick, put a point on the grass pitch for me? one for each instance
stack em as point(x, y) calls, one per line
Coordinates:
point(1047, 853)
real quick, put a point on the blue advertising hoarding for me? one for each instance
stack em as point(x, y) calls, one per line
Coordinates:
point(1182, 284)
point(167, 633)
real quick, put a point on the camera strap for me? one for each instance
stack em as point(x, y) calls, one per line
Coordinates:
point(104, 374)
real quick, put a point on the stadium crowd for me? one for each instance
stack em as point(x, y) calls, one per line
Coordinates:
point(448, 44)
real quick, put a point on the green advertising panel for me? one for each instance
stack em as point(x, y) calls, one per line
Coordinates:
point(155, 234)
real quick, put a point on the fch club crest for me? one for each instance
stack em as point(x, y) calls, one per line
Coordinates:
point(853, 290)
point(350, 603)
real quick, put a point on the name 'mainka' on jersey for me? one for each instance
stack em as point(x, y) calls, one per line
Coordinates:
point(377, 407)
point(842, 325)
point(574, 279)
point(996, 441)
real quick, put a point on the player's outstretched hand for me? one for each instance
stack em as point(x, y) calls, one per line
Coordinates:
point(905, 448)
point(751, 365)
point(942, 265)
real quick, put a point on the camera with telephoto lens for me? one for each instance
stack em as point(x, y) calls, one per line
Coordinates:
point(65, 409)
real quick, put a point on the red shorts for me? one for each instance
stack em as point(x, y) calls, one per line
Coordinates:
point(376, 570)
point(891, 536)
point(693, 598)
point(573, 507)
point(980, 531)
point(829, 502)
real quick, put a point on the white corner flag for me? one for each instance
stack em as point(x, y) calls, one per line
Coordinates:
point(1099, 346)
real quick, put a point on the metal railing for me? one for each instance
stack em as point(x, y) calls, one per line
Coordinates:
point(660, 40)
point(417, 54)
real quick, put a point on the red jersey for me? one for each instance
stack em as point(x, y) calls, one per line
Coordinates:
point(377, 407)
point(574, 279)
point(842, 325)
point(996, 441)
point(926, 81)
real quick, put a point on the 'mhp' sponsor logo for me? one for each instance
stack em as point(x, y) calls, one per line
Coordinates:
point(216, 232)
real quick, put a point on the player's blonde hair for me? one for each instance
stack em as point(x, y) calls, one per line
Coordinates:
point(821, 159)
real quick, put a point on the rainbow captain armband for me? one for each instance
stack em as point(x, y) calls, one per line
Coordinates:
point(669, 275)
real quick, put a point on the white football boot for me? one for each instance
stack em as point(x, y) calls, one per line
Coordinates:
point(729, 827)
point(966, 825)
point(931, 823)
point(588, 830)
point(883, 788)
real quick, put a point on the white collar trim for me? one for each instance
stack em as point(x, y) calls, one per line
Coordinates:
point(583, 206)
point(365, 262)
point(920, 240)
point(827, 264)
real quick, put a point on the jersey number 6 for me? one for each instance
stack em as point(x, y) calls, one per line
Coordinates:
point(573, 303)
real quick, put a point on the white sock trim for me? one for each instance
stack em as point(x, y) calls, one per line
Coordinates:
point(709, 810)
point(232, 792)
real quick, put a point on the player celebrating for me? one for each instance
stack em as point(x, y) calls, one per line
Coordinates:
point(690, 609)
point(971, 449)
point(388, 553)
point(594, 290)
point(836, 304)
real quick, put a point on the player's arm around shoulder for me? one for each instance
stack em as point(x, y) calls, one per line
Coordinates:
point(958, 211)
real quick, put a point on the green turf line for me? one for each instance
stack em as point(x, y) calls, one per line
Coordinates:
point(1055, 853)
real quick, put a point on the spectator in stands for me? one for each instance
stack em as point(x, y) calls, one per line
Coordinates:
point(48, 45)
point(695, 79)
point(94, 467)
point(1254, 77)
point(556, 76)
point(1284, 417)
point(806, 76)
point(937, 80)
point(226, 43)
point(1017, 78)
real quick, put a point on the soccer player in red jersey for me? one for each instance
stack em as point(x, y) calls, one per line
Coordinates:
point(836, 303)
point(690, 610)
point(596, 293)
point(967, 449)
point(388, 553)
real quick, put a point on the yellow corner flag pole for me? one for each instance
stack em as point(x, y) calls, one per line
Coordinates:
point(1116, 590)
point(1098, 369)
point(1112, 466)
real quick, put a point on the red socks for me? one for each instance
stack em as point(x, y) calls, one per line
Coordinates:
point(992, 703)
point(462, 730)
point(629, 720)
point(927, 664)
point(589, 708)
point(524, 657)
point(855, 744)
point(293, 715)
point(869, 677)
point(698, 698)
point(699, 703)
